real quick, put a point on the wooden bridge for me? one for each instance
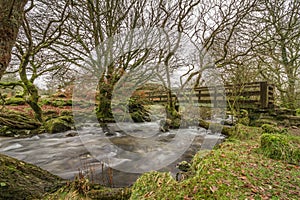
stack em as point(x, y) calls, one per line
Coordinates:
point(255, 95)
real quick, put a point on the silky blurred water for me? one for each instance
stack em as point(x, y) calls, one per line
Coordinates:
point(64, 154)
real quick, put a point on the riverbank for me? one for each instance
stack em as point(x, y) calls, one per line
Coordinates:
point(243, 166)
point(239, 168)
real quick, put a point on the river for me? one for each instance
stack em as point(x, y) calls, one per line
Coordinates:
point(115, 159)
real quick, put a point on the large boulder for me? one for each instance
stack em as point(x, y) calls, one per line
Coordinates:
point(17, 124)
point(60, 124)
point(20, 180)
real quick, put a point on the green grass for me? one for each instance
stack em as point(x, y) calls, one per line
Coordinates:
point(237, 169)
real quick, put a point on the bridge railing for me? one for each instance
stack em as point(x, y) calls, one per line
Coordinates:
point(249, 95)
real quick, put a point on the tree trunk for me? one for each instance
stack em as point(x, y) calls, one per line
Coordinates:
point(104, 111)
point(291, 92)
point(32, 91)
point(33, 101)
point(11, 16)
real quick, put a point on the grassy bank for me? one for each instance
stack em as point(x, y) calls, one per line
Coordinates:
point(237, 169)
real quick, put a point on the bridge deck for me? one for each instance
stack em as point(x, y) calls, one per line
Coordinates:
point(258, 95)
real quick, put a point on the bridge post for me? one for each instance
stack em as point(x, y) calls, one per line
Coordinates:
point(215, 104)
point(264, 98)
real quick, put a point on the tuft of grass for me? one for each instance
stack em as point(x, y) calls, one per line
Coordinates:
point(76, 190)
point(154, 185)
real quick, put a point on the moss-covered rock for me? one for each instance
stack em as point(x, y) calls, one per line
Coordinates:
point(60, 124)
point(15, 101)
point(281, 147)
point(17, 124)
point(260, 122)
point(268, 128)
point(20, 180)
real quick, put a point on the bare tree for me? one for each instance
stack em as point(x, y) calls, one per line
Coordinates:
point(278, 46)
point(98, 23)
point(40, 28)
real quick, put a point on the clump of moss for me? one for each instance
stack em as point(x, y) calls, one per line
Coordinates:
point(281, 147)
point(298, 112)
point(268, 128)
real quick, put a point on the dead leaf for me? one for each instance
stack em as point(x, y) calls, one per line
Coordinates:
point(195, 190)
point(213, 189)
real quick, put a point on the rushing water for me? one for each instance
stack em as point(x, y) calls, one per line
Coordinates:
point(64, 154)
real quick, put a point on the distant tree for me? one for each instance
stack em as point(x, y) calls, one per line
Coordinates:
point(278, 47)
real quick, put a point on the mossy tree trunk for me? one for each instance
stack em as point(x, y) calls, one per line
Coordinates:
point(11, 16)
point(33, 95)
point(29, 88)
point(104, 111)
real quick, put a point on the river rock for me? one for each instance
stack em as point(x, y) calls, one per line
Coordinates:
point(60, 124)
point(20, 180)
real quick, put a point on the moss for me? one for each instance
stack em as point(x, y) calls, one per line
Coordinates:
point(58, 102)
point(15, 101)
point(268, 128)
point(298, 112)
point(243, 132)
point(61, 124)
point(20, 180)
point(45, 101)
point(281, 147)
point(244, 120)
point(260, 122)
